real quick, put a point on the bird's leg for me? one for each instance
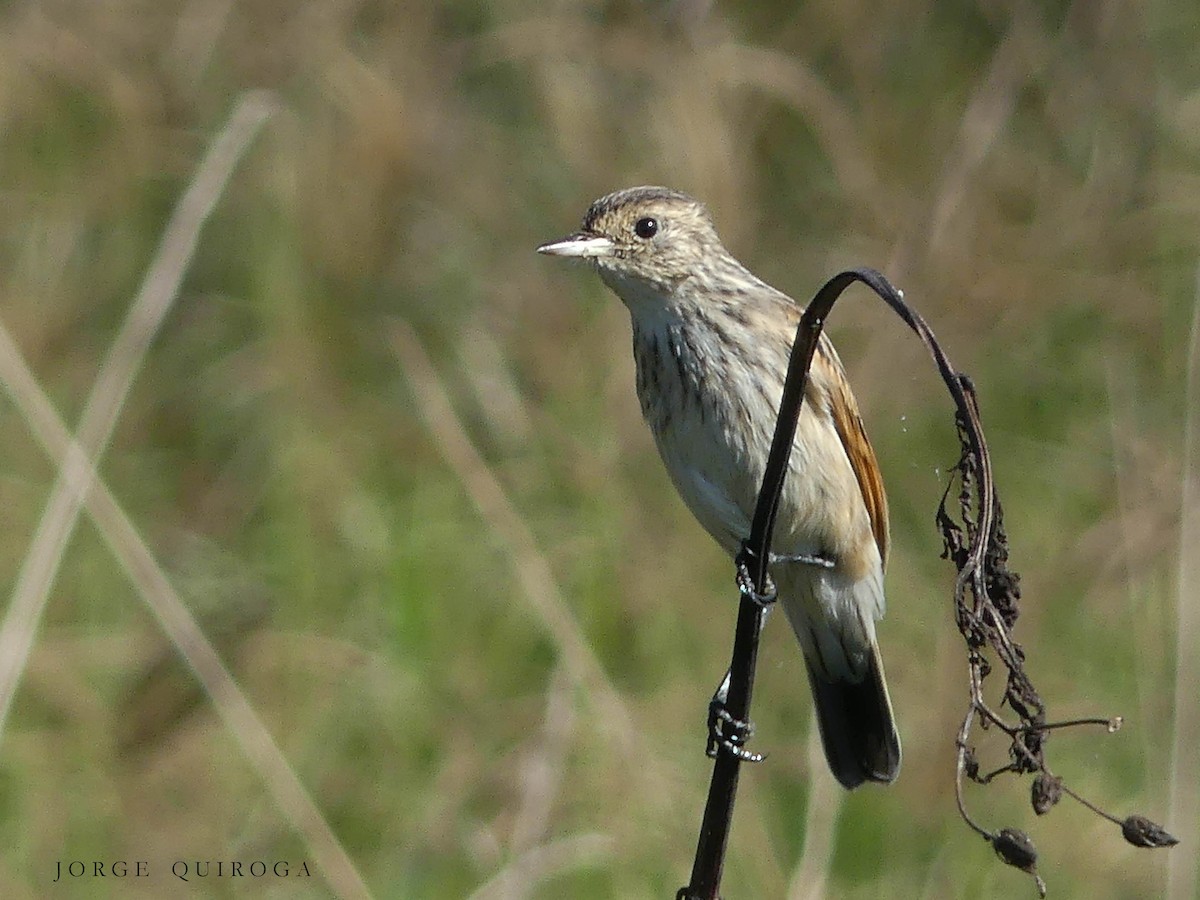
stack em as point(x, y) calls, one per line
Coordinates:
point(745, 581)
point(726, 731)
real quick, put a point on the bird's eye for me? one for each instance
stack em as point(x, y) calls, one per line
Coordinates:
point(646, 228)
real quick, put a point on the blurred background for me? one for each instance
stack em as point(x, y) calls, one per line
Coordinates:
point(393, 463)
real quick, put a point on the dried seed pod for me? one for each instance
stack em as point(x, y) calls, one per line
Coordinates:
point(1141, 832)
point(1047, 791)
point(1016, 849)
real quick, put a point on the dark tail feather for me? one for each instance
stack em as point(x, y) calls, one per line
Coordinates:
point(857, 728)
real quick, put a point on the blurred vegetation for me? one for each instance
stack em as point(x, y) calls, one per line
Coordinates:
point(1027, 172)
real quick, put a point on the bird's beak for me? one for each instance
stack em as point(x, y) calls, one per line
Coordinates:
point(583, 244)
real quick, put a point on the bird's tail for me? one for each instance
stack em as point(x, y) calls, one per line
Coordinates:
point(856, 724)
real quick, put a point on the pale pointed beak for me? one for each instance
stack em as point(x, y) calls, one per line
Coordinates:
point(588, 246)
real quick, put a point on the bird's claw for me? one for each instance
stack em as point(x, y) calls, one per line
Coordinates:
point(745, 582)
point(725, 731)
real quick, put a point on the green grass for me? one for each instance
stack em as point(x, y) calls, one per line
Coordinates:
point(1026, 178)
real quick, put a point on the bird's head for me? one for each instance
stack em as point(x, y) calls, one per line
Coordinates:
point(645, 242)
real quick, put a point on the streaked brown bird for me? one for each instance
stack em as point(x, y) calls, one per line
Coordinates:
point(711, 345)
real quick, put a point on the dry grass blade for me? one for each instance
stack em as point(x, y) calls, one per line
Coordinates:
point(1017, 60)
point(544, 861)
point(810, 879)
point(543, 768)
point(154, 299)
point(791, 81)
point(532, 570)
point(1184, 868)
point(177, 622)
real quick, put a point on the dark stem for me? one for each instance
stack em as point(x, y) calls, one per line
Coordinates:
point(986, 596)
point(705, 883)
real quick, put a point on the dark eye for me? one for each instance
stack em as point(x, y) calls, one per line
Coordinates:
point(646, 228)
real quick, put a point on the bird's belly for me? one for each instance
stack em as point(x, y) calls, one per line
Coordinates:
point(718, 469)
point(713, 481)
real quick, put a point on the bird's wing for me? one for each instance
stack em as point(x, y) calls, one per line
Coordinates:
point(850, 429)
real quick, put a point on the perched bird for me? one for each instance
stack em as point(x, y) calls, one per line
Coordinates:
point(711, 345)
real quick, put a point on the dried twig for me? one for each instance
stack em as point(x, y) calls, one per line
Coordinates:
point(986, 607)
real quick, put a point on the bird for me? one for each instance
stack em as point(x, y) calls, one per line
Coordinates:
point(711, 343)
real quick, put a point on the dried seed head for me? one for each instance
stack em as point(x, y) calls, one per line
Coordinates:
point(1047, 791)
point(1141, 832)
point(1016, 849)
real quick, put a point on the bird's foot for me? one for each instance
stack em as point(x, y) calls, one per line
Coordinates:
point(726, 731)
point(745, 581)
